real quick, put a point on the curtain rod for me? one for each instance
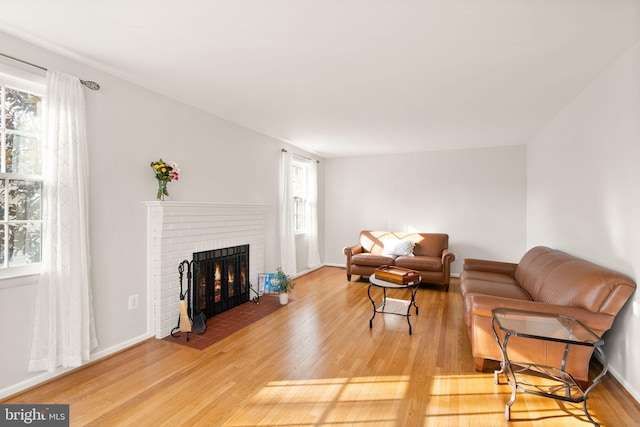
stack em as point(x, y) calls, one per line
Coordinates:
point(284, 150)
point(88, 83)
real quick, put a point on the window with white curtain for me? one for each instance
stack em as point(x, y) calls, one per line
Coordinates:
point(300, 193)
point(21, 116)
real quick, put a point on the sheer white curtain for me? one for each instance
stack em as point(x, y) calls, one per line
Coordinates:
point(287, 234)
point(64, 332)
point(313, 254)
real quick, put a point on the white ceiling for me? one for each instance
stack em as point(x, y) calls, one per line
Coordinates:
point(349, 77)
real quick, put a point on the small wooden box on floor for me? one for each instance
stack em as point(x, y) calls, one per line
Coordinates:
point(397, 275)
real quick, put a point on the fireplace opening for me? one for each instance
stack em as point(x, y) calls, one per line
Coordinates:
point(220, 279)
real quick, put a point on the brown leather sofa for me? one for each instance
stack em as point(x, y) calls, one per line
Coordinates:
point(430, 255)
point(545, 280)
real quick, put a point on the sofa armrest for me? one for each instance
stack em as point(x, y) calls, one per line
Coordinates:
point(507, 268)
point(349, 251)
point(482, 306)
point(447, 257)
point(352, 250)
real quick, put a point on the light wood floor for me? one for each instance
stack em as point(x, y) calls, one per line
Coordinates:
point(315, 362)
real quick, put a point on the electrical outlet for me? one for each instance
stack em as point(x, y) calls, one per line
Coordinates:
point(133, 302)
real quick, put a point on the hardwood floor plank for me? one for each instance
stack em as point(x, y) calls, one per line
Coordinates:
point(316, 362)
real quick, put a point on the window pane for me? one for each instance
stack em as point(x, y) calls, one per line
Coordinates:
point(22, 110)
point(2, 227)
point(2, 200)
point(23, 154)
point(299, 214)
point(298, 181)
point(25, 242)
point(24, 200)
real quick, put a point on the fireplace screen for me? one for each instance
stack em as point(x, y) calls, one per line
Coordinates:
point(220, 279)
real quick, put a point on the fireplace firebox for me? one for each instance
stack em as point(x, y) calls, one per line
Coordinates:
point(220, 279)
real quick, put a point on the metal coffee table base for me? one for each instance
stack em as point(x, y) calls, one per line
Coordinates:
point(401, 307)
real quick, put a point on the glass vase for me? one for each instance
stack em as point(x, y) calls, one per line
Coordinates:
point(162, 189)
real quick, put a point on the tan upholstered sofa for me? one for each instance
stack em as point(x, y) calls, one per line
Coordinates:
point(545, 280)
point(429, 254)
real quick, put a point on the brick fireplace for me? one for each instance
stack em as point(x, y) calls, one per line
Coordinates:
point(177, 230)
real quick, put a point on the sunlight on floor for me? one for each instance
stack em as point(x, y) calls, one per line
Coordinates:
point(474, 396)
point(387, 401)
point(481, 402)
point(331, 401)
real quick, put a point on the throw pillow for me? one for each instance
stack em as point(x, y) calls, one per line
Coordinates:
point(393, 247)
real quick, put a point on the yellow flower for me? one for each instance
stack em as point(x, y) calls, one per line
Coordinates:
point(164, 169)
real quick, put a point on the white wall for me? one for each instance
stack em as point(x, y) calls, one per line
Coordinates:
point(478, 197)
point(128, 127)
point(584, 192)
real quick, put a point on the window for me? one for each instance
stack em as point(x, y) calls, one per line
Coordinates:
point(299, 178)
point(21, 111)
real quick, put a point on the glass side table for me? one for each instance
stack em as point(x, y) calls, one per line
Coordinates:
point(546, 327)
point(400, 307)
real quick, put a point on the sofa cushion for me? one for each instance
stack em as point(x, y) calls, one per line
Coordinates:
point(555, 277)
point(372, 260)
point(534, 267)
point(487, 276)
point(420, 263)
point(432, 247)
point(490, 283)
point(578, 283)
point(371, 241)
point(486, 287)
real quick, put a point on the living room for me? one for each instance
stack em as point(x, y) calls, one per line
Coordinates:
point(573, 186)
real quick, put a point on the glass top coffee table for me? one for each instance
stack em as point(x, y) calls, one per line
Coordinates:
point(547, 327)
point(401, 307)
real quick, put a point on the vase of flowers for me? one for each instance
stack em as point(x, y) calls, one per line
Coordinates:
point(165, 173)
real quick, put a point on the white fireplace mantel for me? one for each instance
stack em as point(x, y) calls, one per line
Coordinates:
point(175, 230)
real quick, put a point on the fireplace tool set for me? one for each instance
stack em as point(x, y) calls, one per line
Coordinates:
point(187, 321)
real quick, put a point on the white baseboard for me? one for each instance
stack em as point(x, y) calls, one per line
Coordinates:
point(41, 378)
point(335, 265)
point(302, 273)
point(614, 373)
